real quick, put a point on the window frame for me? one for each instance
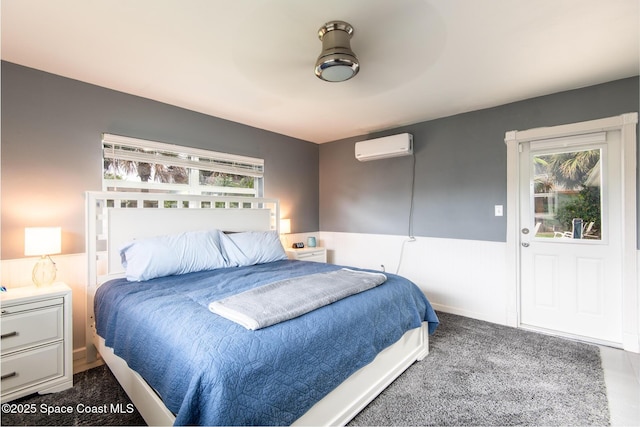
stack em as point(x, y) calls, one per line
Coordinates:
point(194, 160)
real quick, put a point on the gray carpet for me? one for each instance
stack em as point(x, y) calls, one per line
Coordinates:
point(102, 402)
point(477, 373)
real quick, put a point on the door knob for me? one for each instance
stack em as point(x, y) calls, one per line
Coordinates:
point(525, 231)
point(525, 244)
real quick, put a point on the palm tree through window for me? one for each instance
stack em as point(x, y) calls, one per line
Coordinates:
point(131, 164)
point(568, 194)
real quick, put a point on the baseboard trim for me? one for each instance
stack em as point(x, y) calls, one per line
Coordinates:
point(80, 363)
point(466, 313)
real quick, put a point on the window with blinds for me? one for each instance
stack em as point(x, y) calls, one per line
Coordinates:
point(131, 164)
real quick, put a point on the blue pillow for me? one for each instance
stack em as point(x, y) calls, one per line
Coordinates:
point(169, 255)
point(252, 247)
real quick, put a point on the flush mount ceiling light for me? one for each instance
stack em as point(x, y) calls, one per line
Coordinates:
point(336, 62)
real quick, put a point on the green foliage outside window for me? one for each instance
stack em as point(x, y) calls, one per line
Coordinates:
point(585, 205)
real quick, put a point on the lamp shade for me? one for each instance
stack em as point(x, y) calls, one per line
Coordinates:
point(42, 241)
point(285, 226)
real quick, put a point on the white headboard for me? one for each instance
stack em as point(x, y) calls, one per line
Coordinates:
point(115, 218)
point(125, 225)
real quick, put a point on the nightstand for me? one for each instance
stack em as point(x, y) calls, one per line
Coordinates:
point(36, 349)
point(316, 254)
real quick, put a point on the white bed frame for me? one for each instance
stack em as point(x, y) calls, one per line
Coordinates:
point(113, 218)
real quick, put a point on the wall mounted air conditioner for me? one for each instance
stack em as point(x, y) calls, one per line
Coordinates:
point(382, 148)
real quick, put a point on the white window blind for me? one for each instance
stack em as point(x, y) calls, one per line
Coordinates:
point(131, 163)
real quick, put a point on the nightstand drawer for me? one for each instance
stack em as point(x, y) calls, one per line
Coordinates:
point(36, 344)
point(317, 256)
point(27, 325)
point(27, 368)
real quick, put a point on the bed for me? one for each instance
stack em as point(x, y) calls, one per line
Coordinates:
point(182, 364)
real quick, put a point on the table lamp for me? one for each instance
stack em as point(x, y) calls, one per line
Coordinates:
point(43, 242)
point(285, 228)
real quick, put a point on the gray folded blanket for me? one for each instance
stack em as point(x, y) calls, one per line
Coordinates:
point(283, 300)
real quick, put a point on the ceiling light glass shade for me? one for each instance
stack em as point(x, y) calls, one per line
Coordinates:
point(337, 62)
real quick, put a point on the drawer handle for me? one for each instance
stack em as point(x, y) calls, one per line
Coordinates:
point(8, 335)
point(7, 376)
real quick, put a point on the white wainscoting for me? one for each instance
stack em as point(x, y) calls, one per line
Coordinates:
point(465, 277)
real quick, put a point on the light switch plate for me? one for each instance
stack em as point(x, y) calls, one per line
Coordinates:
point(498, 210)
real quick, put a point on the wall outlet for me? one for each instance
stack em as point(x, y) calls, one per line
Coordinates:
point(498, 210)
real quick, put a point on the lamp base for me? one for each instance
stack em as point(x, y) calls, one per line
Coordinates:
point(44, 272)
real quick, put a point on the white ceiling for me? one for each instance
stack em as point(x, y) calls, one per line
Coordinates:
point(251, 61)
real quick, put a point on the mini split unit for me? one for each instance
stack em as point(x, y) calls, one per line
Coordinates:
point(382, 148)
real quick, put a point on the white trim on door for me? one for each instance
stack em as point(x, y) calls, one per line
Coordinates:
point(626, 123)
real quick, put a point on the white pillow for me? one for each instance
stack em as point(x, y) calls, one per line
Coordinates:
point(252, 247)
point(169, 255)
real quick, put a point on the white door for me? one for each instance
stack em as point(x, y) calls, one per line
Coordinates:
point(570, 236)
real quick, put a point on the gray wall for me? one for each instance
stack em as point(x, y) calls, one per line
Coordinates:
point(50, 155)
point(460, 167)
point(51, 152)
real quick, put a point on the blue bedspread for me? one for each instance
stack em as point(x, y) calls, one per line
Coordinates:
point(211, 371)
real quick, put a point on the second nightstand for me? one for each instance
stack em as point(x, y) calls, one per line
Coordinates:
point(316, 254)
point(36, 343)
